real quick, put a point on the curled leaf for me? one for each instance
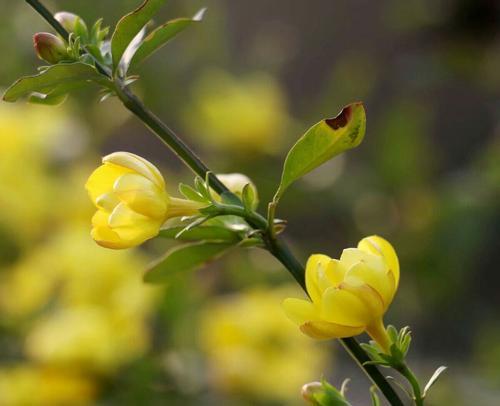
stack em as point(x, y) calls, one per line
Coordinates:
point(435, 376)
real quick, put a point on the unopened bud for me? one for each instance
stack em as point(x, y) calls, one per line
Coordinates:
point(309, 390)
point(72, 23)
point(49, 47)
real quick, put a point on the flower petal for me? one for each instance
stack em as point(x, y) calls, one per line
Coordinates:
point(344, 307)
point(323, 330)
point(102, 179)
point(131, 226)
point(379, 246)
point(107, 238)
point(352, 256)
point(299, 311)
point(380, 280)
point(370, 297)
point(335, 272)
point(141, 195)
point(313, 263)
point(107, 202)
point(136, 164)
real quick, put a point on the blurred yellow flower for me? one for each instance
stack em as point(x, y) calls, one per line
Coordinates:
point(88, 338)
point(31, 135)
point(349, 296)
point(99, 307)
point(24, 385)
point(252, 348)
point(242, 114)
point(132, 202)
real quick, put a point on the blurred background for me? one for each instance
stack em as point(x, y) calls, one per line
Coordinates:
point(77, 324)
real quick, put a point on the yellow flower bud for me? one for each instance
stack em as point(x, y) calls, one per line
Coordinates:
point(235, 182)
point(349, 296)
point(132, 202)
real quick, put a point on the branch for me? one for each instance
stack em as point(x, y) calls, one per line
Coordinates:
point(277, 248)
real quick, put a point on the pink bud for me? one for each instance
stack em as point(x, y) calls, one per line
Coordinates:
point(49, 47)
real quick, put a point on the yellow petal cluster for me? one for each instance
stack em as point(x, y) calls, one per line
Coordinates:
point(350, 295)
point(132, 202)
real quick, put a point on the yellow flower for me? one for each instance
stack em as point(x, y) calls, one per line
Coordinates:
point(349, 296)
point(25, 384)
point(245, 114)
point(132, 202)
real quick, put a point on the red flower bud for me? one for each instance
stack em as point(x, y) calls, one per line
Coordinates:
point(49, 47)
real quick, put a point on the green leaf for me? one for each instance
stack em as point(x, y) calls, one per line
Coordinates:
point(392, 333)
point(161, 35)
point(208, 233)
point(374, 396)
point(191, 194)
point(52, 78)
point(328, 395)
point(323, 141)
point(231, 199)
point(129, 26)
point(184, 258)
point(249, 198)
point(435, 376)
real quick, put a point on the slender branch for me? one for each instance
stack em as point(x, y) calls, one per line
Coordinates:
point(47, 15)
point(169, 137)
point(276, 247)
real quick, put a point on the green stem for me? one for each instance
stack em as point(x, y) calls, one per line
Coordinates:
point(410, 376)
point(168, 137)
point(276, 247)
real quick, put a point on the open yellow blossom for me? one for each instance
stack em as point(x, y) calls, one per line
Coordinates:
point(132, 202)
point(350, 295)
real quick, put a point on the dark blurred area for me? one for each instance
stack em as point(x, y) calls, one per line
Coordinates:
point(241, 87)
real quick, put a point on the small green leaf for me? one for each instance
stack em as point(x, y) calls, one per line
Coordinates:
point(248, 197)
point(374, 396)
point(328, 395)
point(207, 233)
point(392, 333)
point(191, 194)
point(372, 352)
point(234, 223)
point(129, 26)
point(322, 142)
point(67, 74)
point(161, 35)
point(184, 258)
point(435, 376)
point(230, 198)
